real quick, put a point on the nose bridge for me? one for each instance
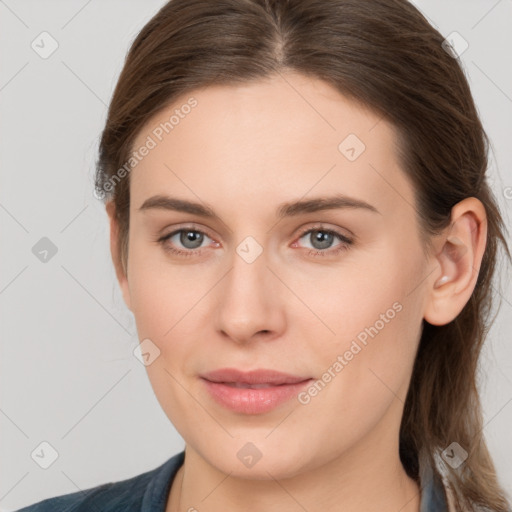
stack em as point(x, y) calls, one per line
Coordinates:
point(249, 301)
point(248, 278)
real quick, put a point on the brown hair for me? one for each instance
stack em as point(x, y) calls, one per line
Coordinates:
point(384, 55)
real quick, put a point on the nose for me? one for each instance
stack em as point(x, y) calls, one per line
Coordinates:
point(250, 301)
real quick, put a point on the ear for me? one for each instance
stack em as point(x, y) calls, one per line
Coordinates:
point(458, 256)
point(115, 253)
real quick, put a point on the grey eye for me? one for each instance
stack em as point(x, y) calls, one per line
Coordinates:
point(320, 238)
point(190, 239)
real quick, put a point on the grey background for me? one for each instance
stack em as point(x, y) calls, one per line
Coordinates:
point(68, 374)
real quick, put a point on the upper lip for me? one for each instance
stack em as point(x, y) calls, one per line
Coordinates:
point(259, 376)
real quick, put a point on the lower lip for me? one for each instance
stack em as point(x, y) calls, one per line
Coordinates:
point(253, 401)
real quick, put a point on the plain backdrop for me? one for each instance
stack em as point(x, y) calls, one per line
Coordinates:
point(68, 374)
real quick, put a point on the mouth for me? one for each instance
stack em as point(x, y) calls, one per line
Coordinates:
point(253, 392)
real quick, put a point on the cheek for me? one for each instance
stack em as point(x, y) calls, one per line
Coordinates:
point(366, 371)
point(161, 293)
point(353, 296)
point(163, 306)
point(377, 323)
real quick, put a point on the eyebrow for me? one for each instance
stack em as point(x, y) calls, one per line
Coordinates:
point(290, 209)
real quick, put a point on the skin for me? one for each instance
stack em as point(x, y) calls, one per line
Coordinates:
point(245, 150)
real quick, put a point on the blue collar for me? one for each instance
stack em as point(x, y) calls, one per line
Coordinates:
point(433, 494)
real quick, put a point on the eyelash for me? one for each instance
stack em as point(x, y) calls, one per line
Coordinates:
point(343, 246)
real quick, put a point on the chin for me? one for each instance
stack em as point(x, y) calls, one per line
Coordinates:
point(258, 460)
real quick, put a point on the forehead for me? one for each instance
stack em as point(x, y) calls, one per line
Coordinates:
point(277, 138)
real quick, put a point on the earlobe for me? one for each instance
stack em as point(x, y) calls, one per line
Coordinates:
point(115, 254)
point(458, 258)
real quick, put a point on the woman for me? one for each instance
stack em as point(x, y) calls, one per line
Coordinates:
point(302, 227)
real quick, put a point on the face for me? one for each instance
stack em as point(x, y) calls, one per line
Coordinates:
point(332, 294)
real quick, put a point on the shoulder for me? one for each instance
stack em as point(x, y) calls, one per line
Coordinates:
point(139, 493)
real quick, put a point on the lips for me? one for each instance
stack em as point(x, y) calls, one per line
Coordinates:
point(253, 392)
point(254, 379)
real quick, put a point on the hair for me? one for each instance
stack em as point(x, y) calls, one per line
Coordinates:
point(385, 56)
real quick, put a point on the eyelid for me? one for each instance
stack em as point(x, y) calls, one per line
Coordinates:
point(190, 227)
point(320, 226)
point(302, 231)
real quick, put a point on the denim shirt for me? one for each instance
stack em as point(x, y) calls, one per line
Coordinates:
point(149, 491)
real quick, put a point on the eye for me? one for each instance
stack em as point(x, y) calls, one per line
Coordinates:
point(192, 240)
point(189, 238)
point(321, 240)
